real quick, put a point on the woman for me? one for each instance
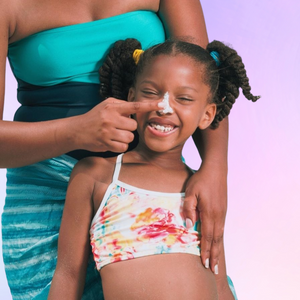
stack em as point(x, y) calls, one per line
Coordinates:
point(55, 49)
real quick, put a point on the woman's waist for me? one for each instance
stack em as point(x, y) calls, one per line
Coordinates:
point(47, 179)
point(53, 169)
point(71, 95)
point(55, 102)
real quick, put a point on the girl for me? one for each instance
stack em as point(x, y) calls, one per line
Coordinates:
point(129, 208)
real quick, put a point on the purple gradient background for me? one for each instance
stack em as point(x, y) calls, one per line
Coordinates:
point(262, 250)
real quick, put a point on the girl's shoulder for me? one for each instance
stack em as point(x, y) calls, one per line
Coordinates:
point(98, 169)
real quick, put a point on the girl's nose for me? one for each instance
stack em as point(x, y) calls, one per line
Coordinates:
point(166, 108)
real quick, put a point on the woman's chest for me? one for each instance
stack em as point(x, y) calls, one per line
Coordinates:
point(32, 16)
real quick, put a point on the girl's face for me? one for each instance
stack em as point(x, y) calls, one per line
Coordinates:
point(181, 77)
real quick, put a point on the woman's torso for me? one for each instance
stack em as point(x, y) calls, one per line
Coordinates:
point(58, 46)
point(32, 16)
point(74, 53)
point(64, 41)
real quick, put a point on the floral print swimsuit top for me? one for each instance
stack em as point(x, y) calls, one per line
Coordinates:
point(133, 222)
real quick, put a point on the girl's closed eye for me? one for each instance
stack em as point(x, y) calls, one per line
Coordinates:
point(149, 94)
point(185, 99)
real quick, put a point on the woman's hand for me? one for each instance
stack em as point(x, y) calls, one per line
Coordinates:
point(108, 126)
point(206, 199)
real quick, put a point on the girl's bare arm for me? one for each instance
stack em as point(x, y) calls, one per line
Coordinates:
point(73, 243)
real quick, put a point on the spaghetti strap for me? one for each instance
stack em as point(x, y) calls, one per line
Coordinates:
point(117, 167)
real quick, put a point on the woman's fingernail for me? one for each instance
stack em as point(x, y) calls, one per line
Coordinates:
point(207, 263)
point(162, 104)
point(216, 269)
point(188, 223)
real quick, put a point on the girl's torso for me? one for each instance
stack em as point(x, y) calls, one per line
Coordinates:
point(132, 226)
point(134, 222)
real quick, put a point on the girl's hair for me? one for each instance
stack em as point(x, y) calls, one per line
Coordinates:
point(119, 71)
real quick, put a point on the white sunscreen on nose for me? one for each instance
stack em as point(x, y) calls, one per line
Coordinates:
point(166, 105)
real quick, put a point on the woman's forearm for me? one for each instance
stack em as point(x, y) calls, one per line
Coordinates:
point(212, 145)
point(26, 143)
point(106, 127)
point(187, 21)
point(224, 291)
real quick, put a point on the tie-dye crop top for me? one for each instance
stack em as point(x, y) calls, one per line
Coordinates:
point(133, 222)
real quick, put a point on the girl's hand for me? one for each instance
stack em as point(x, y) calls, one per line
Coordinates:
point(206, 199)
point(108, 127)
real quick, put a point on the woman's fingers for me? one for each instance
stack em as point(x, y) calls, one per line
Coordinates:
point(118, 140)
point(123, 123)
point(211, 235)
point(189, 210)
point(207, 231)
point(129, 108)
point(211, 239)
point(206, 201)
point(107, 127)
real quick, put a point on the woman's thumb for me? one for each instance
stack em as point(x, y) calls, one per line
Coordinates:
point(189, 211)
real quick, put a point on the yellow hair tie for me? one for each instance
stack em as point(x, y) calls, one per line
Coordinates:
point(136, 55)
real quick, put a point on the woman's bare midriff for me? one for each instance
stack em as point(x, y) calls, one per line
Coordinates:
point(32, 16)
point(164, 277)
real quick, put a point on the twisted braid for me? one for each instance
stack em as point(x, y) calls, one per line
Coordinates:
point(118, 70)
point(232, 76)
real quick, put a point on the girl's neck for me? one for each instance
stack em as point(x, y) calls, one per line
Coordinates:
point(167, 160)
point(162, 172)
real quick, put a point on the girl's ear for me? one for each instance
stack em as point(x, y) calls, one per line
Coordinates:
point(131, 95)
point(208, 116)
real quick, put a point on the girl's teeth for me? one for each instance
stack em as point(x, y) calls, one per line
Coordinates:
point(162, 128)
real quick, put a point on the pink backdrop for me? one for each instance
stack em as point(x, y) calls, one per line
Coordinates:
point(264, 194)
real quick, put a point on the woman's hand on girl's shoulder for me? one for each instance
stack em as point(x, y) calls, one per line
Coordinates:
point(206, 199)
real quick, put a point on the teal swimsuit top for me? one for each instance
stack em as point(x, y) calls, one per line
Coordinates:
point(57, 69)
point(74, 53)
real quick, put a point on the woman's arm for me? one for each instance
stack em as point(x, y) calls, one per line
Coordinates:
point(184, 19)
point(73, 243)
point(223, 289)
point(105, 127)
point(25, 143)
point(6, 30)
point(206, 192)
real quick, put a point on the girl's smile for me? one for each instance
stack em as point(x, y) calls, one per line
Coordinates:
point(161, 126)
